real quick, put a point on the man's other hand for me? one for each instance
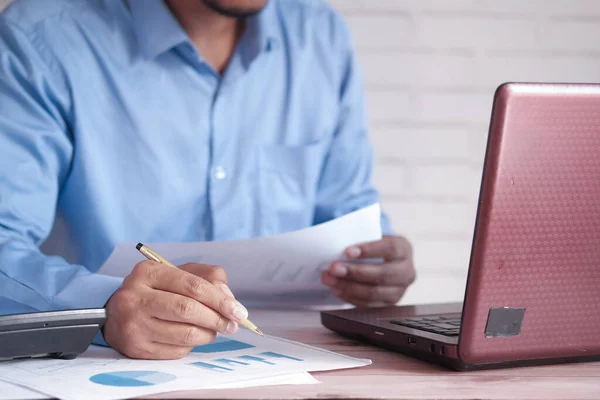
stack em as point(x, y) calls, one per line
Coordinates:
point(162, 312)
point(365, 283)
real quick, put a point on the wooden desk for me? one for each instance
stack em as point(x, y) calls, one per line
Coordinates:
point(398, 377)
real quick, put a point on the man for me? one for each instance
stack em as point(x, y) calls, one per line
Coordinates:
point(183, 120)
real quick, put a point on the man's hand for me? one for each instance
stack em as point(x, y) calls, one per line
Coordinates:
point(162, 312)
point(365, 284)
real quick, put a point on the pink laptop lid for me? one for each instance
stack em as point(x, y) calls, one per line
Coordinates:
point(533, 289)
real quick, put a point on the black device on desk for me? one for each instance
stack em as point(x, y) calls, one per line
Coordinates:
point(59, 334)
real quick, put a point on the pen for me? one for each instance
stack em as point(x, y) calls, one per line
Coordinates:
point(154, 256)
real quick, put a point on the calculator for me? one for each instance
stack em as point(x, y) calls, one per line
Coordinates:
point(56, 334)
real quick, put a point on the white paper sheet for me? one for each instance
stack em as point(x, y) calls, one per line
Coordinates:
point(300, 378)
point(11, 391)
point(103, 374)
point(282, 270)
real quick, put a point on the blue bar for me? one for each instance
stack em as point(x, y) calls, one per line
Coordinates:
point(220, 345)
point(228, 361)
point(277, 355)
point(258, 359)
point(211, 367)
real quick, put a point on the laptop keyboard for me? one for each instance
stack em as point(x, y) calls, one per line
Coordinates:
point(447, 324)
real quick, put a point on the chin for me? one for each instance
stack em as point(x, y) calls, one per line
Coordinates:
point(236, 8)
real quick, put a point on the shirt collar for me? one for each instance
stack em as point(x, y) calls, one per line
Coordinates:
point(262, 29)
point(157, 30)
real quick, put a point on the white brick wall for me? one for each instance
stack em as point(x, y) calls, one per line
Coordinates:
point(431, 67)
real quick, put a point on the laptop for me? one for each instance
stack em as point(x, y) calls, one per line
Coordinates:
point(533, 288)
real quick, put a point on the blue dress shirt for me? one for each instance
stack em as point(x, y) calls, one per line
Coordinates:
point(113, 128)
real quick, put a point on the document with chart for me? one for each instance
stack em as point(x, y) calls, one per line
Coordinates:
point(13, 391)
point(103, 374)
point(282, 270)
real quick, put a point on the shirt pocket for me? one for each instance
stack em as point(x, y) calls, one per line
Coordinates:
point(289, 180)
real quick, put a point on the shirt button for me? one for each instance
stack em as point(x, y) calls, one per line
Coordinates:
point(220, 173)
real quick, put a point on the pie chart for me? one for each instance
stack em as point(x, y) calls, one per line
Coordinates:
point(132, 378)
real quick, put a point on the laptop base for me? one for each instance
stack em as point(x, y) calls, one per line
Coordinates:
point(425, 349)
point(416, 347)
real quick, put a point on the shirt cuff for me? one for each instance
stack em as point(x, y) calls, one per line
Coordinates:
point(99, 339)
point(386, 225)
point(89, 291)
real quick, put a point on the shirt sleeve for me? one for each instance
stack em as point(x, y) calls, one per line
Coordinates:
point(35, 155)
point(346, 179)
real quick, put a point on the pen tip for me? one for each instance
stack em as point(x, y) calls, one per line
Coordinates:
point(259, 332)
point(139, 246)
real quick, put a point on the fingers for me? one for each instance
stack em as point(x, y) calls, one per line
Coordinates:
point(370, 284)
point(399, 273)
point(178, 334)
point(181, 282)
point(126, 330)
point(212, 273)
point(373, 284)
point(389, 248)
point(364, 295)
point(176, 308)
point(157, 351)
